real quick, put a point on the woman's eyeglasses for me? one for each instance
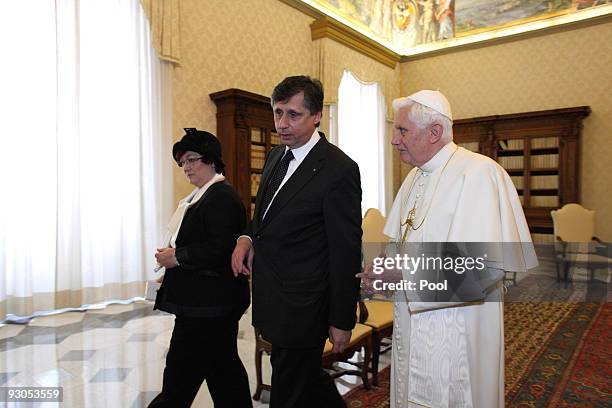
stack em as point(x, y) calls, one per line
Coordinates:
point(189, 161)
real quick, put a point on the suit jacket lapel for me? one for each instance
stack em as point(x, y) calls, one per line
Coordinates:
point(275, 156)
point(312, 164)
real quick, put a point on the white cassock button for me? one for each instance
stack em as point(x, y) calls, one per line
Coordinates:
point(400, 380)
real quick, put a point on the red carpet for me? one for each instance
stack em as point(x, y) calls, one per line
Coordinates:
point(377, 397)
point(558, 354)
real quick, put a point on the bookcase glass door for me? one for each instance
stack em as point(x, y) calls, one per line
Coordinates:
point(262, 141)
point(541, 153)
point(245, 128)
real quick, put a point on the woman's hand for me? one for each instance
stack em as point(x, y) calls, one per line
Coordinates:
point(166, 258)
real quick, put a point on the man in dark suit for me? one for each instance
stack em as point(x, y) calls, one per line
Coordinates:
point(304, 248)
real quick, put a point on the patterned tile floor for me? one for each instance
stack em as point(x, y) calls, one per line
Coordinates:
point(112, 357)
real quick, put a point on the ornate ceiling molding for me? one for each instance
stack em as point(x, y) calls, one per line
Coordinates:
point(325, 27)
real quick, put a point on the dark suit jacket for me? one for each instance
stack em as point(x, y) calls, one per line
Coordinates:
point(204, 284)
point(308, 249)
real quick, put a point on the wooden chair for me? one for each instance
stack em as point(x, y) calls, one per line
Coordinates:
point(376, 314)
point(575, 242)
point(361, 338)
point(261, 347)
point(379, 316)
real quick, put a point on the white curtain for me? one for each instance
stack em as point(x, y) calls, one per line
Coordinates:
point(84, 106)
point(363, 135)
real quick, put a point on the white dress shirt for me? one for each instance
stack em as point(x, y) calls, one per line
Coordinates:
point(299, 154)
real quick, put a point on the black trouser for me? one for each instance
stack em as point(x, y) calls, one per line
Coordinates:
point(298, 381)
point(204, 349)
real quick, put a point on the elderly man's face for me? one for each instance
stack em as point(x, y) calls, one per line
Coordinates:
point(414, 144)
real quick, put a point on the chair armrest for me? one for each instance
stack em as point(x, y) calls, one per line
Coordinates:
point(363, 312)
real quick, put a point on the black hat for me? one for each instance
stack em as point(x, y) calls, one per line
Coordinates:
point(198, 141)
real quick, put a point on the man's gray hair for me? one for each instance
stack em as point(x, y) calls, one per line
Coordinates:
point(424, 116)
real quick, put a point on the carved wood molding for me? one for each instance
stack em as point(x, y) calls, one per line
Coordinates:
point(325, 27)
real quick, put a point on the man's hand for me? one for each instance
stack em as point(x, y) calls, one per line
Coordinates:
point(165, 257)
point(244, 250)
point(339, 338)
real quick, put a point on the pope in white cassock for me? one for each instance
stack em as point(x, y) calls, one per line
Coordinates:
point(450, 354)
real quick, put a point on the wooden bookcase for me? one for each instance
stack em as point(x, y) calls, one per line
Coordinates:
point(245, 128)
point(539, 150)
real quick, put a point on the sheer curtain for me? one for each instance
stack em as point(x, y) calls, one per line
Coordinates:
point(363, 135)
point(84, 187)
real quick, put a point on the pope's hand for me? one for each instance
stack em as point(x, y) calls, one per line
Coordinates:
point(371, 274)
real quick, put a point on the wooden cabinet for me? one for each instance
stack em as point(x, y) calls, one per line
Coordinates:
point(245, 128)
point(539, 150)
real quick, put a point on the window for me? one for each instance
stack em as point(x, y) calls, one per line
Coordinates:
point(80, 153)
point(362, 135)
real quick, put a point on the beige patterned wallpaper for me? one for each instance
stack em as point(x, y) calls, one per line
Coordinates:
point(248, 44)
point(252, 45)
point(563, 69)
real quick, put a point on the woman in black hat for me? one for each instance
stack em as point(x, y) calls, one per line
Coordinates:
point(199, 286)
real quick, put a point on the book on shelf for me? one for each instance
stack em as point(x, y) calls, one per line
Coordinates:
point(258, 156)
point(255, 180)
point(544, 182)
point(544, 142)
point(545, 161)
point(511, 162)
point(257, 135)
point(544, 201)
point(511, 144)
point(518, 181)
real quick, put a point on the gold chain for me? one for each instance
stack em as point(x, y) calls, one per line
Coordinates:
point(410, 218)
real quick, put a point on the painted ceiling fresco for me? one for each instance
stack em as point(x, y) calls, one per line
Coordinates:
point(413, 26)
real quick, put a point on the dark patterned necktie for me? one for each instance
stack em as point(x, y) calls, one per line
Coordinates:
point(275, 180)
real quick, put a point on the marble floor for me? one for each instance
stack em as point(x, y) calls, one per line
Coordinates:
point(111, 357)
point(114, 356)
